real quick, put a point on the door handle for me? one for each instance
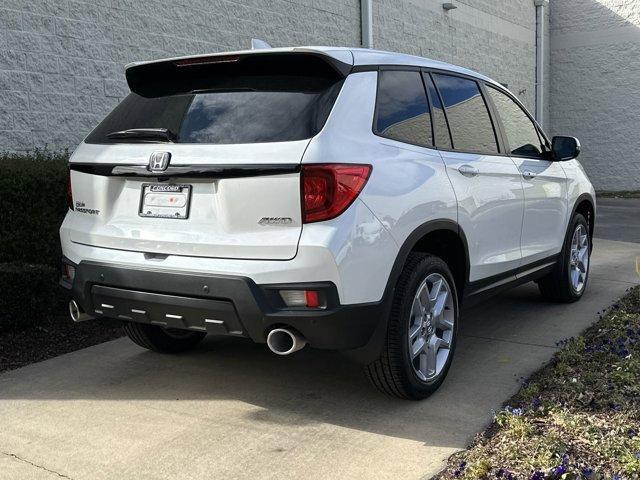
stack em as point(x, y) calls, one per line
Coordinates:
point(468, 170)
point(528, 174)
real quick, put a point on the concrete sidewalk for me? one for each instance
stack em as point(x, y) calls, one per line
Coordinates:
point(233, 410)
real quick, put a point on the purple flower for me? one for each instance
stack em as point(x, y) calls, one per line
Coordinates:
point(537, 475)
point(587, 472)
point(559, 470)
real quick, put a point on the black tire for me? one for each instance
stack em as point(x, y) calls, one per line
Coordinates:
point(557, 285)
point(393, 372)
point(153, 337)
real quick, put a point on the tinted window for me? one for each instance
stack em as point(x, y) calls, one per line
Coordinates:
point(269, 111)
point(520, 131)
point(402, 110)
point(467, 113)
point(440, 129)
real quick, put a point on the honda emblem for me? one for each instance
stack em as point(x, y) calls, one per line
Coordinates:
point(159, 161)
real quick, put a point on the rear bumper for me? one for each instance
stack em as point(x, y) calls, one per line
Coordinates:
point(218, 304)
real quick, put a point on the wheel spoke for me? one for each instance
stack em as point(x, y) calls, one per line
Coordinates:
point(432, 359)
point(575, 277)
point(416, 311)
point(583, 239)
point(581, 266)
point(583, 254)
point(438, 306)
point(433, 347)
point(444, 323)
point(436, 288)
point(414, 330)
point(423, 297)
point(417, 347)
point(423, 368)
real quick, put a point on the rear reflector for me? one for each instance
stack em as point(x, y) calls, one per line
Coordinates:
point(68, 271)
point(311, 297)
point(329, 189)
point(69, 192)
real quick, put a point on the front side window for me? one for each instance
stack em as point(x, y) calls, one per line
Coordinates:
point(402, 109)
point(469, 120)
point(521, 133)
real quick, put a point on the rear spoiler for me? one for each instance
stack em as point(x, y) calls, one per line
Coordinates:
point(241, 70)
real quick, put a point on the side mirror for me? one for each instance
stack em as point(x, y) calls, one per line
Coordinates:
point(565, 148)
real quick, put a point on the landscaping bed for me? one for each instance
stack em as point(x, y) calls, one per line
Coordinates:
point(34, 320)
point(52, 335)
point(576, 418)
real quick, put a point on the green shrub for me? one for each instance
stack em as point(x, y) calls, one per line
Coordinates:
point(29, 293)
point(32, 205)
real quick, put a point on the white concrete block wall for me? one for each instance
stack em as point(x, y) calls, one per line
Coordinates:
point(61, 61)
point(497, 38)
point(595, 86)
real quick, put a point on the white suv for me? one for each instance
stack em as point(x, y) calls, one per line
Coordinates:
point(347, 199)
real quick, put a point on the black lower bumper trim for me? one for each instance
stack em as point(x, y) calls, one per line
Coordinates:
point(218, 304)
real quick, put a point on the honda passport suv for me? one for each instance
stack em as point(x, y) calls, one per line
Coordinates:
point(347, 199)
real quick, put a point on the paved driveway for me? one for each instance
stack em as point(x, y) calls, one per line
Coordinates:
point(233, 410)
point(618, 219)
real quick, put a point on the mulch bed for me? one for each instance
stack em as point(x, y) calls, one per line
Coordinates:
point(52, 336)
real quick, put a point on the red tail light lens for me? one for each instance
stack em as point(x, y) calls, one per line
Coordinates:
point(69, 192)
point(329, 189)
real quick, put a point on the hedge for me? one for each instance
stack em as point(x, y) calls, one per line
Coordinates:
point(32, 206)
point(30, 292)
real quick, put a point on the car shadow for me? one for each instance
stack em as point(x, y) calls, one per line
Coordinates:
point(312, 386)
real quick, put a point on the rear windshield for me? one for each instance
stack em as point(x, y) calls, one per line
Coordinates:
point(269, 109)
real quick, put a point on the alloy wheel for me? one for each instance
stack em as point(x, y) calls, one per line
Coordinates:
point(431, 327)
point(579, 258)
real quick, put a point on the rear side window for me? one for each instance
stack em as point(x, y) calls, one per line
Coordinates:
point(440, 128)
point(402, 109)
point(252, 99)
point(468, 116)
point(521, 133)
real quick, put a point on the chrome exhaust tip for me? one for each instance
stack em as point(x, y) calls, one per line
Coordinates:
point(283, 341)
point(76, 312)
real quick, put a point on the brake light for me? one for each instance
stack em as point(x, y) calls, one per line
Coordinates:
point(69, 192)
point(206, 60)
point(329, 189)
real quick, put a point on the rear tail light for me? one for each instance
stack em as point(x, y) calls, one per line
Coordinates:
point(303, 298)
point(69, 191)
point(329, 189)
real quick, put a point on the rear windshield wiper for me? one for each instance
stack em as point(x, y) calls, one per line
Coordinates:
point(144, 134)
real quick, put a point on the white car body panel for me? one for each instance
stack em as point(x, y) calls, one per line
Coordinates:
point(224, 214)
point(490, 211)
point(546, 211)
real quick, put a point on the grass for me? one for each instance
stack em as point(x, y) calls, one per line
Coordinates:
point(576, 418)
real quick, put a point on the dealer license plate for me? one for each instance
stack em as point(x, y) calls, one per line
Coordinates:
point(163, 200)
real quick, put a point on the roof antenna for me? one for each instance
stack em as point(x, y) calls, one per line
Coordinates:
point(257, 44)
